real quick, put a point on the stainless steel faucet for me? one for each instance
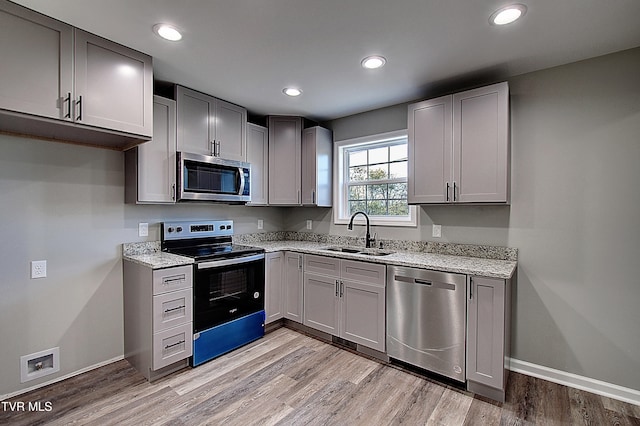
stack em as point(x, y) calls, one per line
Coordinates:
point(368, 239)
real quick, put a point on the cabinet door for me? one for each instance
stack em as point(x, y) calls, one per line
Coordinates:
point(486, 331)
point(113, 86)
point(156, 167)
point(274, 299)
point(285, 152)
point(258, 156)
point(36, 65)
point(293, 286)
point(196, 131)
point(429, 149)
point(317, 154)
point(481, 144)
point(230, 131)
point(322, 303)
point(363, 313)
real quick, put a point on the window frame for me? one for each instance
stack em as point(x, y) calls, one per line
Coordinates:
point(341, 215)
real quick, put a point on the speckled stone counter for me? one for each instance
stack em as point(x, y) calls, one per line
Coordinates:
point(441, 262)
point(149, 254)
point(485, 261)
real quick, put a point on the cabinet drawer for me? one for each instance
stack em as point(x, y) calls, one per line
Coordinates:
point(171, 279)
point(371, 273)
point(322, 265)
point(172, 345)
point(172, 309)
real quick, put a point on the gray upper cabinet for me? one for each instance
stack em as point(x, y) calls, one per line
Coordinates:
point(258, 156)
point(488, 336)
point(113, 86)
point(59, 82)
point(459, 147)
point(317, 154)
point(285, 157)
point(150, 168)
point(210, 126)
point(37, 53)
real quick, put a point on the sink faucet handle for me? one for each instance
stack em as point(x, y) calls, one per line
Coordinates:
point(373, 239)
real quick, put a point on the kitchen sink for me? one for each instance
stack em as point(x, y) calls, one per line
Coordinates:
point(359, 250)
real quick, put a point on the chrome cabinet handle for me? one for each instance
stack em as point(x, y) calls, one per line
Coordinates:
point(470, 288)
point(341, 288)
point(337, 288)
point(177, 308)
point(313, 196)
point(218, 154)
point(213, 148)
point(447, 191)
point(175, 344)
point(79, 105)
point(454, 191)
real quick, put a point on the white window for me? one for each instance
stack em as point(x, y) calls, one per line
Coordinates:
point(371, 176)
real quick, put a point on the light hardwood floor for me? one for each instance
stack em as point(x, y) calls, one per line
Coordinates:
point(288, 378)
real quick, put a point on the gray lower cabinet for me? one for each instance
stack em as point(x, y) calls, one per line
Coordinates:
point(346, 298)
point(158, 331)
point(274, 298)
point(258, 157)
point(60, 75)
point(210, 126)
point(459, 147)
point(150, 168)
point(488, 336)
point(292, 286)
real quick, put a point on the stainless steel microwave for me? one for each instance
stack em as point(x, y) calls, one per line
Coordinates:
point(207, 178)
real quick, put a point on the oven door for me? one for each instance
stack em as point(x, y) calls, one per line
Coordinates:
point(224, 290)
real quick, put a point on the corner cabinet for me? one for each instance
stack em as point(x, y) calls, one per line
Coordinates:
point(150, 168)
point(285, 157)
point(488, 336)
point(273, 300)
point(158, 328)
point(346, 298)
point(292, 288)
point(317, 170)
point(459, 148)
point(59, 82)
point(258, 157)
point(210, 126)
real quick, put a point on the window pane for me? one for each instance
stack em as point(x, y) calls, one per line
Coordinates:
point(357, 158)
point(379, 155)
point(358, 192)
point(355, 206)
point(357, 173)
point(398, 152)
point(377, 192)
point(398, 170)
point(398, 191)
point(398, 208)
point(379, 171)
point(377, 207)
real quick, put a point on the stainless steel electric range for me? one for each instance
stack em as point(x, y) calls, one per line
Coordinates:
point(228, 285)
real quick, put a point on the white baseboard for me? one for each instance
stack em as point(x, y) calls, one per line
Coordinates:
point(61, 378)
point(598, 387)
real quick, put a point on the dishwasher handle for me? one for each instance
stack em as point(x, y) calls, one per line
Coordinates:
point(412, 280)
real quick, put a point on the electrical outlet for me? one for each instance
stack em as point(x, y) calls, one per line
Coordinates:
point(143, 229)
point(309, 224)
point(38, 269)
point(436, 231)
point(260, 224)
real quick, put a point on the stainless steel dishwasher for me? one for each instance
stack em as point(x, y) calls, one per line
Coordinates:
point(426, 313)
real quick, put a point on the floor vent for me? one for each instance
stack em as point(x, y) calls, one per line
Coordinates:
point(39, 364)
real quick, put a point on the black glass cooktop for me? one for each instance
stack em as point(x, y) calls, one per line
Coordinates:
point(215, 251)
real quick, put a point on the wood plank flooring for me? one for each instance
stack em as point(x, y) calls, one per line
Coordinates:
point(288, 378)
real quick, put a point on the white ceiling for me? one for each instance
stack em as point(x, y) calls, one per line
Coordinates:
point(247, 51)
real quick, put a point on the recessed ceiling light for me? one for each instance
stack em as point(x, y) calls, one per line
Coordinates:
point(292, 91)
point(373, 62)
point(167, 32)
point(508, 14)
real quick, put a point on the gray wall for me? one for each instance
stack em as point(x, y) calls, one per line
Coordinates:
point(64, 203)
point(574, 215)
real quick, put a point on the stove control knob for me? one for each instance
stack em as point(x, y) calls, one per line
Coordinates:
point(169, 229)
point(179, 229)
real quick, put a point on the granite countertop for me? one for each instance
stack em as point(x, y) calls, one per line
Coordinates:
point(149, 254)
point(441, 262)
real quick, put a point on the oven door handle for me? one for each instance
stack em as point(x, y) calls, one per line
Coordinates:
point(227, 262)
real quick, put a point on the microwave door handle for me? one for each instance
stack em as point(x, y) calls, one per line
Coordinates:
point(241, 188)
point(227, 262)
